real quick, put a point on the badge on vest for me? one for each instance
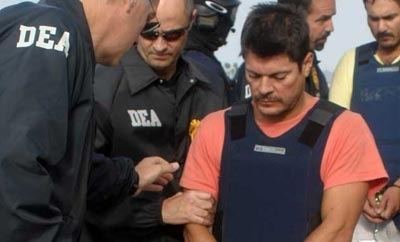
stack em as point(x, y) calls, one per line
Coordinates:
point(270, 149)
point(388, 69)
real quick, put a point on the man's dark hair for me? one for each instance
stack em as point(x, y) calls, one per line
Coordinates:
point(304, 4)
point(272, 29)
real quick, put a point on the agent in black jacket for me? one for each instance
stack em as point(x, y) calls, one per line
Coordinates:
point(214, 21)
point(151, 105)
point(46, 104)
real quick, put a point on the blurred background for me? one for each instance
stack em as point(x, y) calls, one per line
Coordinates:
point(350, 24)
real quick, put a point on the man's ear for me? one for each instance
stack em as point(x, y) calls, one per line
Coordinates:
point(307, 64)
point(130, 5)
point(194, 14)
point(193, 17)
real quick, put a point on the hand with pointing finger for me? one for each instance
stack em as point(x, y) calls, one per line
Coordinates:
point(154, 173)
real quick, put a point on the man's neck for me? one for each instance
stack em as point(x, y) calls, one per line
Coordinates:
point(95, 26)
point(387, 56)
point(166, 74)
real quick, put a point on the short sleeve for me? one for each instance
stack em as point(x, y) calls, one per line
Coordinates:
point(342, 80)
point(203, 162)
point(351, 154)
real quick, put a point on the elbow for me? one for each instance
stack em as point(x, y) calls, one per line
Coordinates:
point(344, 235)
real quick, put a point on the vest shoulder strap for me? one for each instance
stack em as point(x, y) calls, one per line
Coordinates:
point(237, 116)
point(319, 118)
point(365, 52)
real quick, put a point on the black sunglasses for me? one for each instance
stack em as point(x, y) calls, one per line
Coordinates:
point(171, 35)
point(151, 26)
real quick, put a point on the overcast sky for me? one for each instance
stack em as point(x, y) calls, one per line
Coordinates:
point(350, 30)
point(350, 24)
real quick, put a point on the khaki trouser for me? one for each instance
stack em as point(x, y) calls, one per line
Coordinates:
point(386, 232)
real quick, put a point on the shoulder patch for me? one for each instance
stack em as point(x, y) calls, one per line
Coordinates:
point(44, 37)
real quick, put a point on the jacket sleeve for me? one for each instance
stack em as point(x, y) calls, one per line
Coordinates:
point(111, 179)
point(35, 99)
point(110, 201)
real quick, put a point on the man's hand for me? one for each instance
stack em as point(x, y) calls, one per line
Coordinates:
point(189, 207)
point(370, 210)
point(390, 203)
point(154, 173)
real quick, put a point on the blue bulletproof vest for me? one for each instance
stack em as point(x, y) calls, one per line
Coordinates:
point(270, 188)
point(376, 95)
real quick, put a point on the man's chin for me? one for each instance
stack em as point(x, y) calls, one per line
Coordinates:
point(158, 65)
point(270, 112)
point(388, 45)
point(319, 47)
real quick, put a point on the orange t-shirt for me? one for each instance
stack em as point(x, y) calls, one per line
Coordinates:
point(350, 154)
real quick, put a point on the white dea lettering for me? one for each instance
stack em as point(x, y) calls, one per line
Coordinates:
point(144, 118)
point(270, 149)
point(247, 91)
point(28, 35)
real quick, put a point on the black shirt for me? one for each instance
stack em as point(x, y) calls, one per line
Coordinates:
point(146, 116)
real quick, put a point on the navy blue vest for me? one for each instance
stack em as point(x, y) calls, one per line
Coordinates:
point(376, 95)
point(270, 188)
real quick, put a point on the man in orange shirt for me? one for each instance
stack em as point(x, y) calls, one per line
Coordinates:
point(286, 166)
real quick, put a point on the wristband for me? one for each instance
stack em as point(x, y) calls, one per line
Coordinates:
point(394, 185)
point(135, 183)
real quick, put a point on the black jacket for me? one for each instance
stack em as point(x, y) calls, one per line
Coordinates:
point(46, 105)
point(201, 52)
point(45, 121)
point(145, 116)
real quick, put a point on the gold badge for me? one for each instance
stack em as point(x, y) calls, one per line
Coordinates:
point(194, 125)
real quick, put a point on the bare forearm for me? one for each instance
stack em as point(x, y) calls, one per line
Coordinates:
point(341, 208)
point(326, 234)
point(198, 233)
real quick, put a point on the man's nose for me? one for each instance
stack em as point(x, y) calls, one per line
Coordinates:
point(265, 86)
point(160, 44)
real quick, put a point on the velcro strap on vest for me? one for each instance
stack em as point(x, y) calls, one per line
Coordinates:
point(365, 52)
point(320, 117)
point(237, 116)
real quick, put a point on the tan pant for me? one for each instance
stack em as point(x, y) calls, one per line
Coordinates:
point(386, 232)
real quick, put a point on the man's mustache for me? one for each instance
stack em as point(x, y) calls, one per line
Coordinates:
point(266, 97)
point(384, 34)
point(326, 34)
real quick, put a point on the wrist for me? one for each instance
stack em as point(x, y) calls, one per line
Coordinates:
point(395, 185)
point(397, 182)
point(135, 184)
point(164, 211)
